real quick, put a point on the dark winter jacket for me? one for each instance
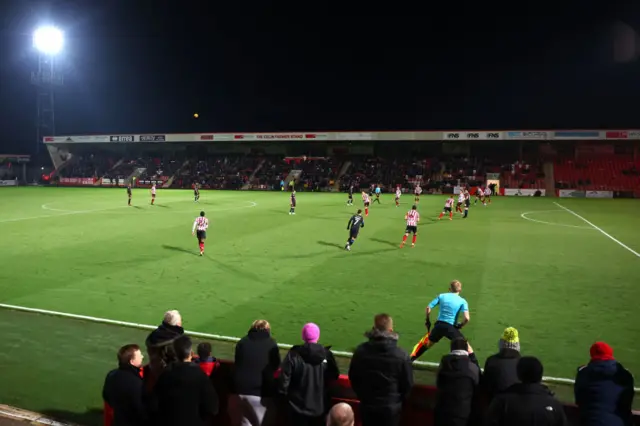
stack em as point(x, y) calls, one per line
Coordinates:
point(123, 391)
point(604, 394)
point(160, 349)
point(526, 404)
point(183, 395)
point(307, 371)
point(380, 372)
point(458, 378)
point(256, 360)
point(500, 372)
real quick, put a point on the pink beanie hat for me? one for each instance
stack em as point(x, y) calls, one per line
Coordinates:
point(310, 333)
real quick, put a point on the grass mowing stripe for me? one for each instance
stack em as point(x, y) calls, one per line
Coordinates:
point(598, 229)
point(556, 380)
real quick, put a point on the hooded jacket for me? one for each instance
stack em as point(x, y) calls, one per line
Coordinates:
point(500, 372)
point(458, 378)
point(380, 372)
point(604, 394)
point(307, 371)
point(526, 404)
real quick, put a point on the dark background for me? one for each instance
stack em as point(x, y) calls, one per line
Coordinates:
point(147, 66)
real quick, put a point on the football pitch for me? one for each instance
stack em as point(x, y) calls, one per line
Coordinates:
point(564, 274)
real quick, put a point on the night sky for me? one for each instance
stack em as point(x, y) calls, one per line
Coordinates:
point(146, 66)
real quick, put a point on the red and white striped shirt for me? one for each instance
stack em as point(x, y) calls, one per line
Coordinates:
point(398, 193)
point(201, 224)
point(418, 190)
point(412, 217)
point(365, 198)
point(449, 203)
point(153, 190)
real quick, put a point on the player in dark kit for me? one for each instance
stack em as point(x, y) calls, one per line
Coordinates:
point(196, 192)
point(350, 200)
point(292, 204)
point(129, 194)
point(355, 223)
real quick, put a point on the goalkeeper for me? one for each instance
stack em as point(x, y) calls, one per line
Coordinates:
point(447, 325)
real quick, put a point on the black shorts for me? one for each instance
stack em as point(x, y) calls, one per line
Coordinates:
point(202, 235)
point(196, 193)
point(466, 203)
point(351, 196)
point(417, 195)
point(366, 204)
point(377, 195)
point(353, 234)
point(444, 329)
point(411, 229)
point(447, 209)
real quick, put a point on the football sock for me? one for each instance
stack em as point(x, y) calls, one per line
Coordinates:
point(201, 246)
point(451, 215)
point(351, 241)
point(366, 211)
point(466, 212)
point(441, 214)
point(413, 241)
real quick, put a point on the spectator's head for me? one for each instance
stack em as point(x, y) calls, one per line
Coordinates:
point(341, 414)
point(600, 351)
point(509, 339)
point(130, 355)
point(183, 347)
point(455, 286)
point(173, 318)
point(530, 370)
point(310, 333)
point(459, 344)
point(260, 325)
point(383, 322)
point(204, 350)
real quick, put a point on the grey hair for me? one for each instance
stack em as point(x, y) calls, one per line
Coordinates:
point(173, 317)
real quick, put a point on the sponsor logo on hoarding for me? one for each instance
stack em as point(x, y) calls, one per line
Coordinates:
point(238, 136)
point(634, 135)
point(523, 192)
point(8, 182)
point(617, 135)
point(571, 193)
point(472, 135)
point(527, 135)
point(153, 138)
point(206, 137)
point(280, 136)
point(122, 138)
point(576, 134)
point(49, 139)
point(599, 194)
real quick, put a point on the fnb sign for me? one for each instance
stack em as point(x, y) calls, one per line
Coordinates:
point(472, 135)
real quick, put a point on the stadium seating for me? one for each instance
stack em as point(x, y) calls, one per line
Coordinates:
point(602, 173)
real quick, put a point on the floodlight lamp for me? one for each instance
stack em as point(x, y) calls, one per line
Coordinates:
point(48, 40)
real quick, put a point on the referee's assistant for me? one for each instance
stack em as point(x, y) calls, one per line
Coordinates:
point(447, 325)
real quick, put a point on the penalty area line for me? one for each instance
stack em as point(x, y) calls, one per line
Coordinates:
point(615, 240)
point(557, 380)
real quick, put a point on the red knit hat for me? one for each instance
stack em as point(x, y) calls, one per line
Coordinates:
point(601, 351)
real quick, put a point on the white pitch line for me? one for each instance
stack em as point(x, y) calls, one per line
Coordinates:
point(526, 217)
point(620, 243)
point(70, 212)
point(557, 380)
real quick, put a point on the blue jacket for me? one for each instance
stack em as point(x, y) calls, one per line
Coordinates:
point(604, 394)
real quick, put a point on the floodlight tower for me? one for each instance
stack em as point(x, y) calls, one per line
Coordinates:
point(48, 42)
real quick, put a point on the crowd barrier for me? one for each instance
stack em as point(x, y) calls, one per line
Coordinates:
point(417, 410)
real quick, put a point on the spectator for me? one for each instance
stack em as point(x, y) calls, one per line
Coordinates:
point(528, 403)
point(500, 370)
point(604, 390)
point(123, 388)
point(205, 360)
point(457, 380)
point(257, 358)
point(381, 374)
point(306, 373)
point(183, 394)
point(341, 414)
point(160, 344)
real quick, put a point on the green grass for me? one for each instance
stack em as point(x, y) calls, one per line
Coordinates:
point(563, 286)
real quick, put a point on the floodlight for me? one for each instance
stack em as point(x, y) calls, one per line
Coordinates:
point(48, 40)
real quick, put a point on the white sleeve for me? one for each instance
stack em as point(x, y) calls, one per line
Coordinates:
point(195, 223)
